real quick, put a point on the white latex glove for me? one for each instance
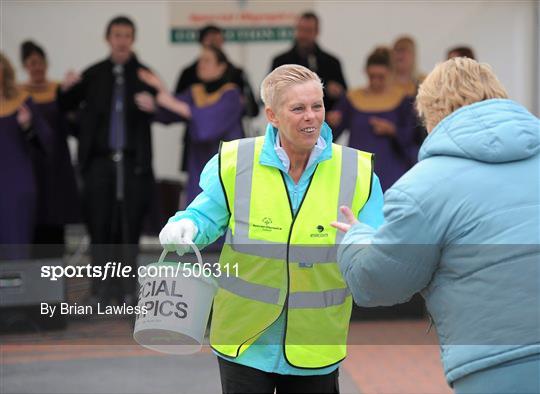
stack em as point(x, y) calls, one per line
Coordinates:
point(175, 236)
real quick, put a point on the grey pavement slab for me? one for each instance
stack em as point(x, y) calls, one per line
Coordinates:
point(133, 375)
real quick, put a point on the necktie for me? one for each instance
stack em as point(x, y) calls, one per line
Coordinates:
point(312, 62)
point(117, 125)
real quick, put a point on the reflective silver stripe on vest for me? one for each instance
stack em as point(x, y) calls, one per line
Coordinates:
point(270, 295)
point(241, 242)
point(253, 291)
point(243, 186)
point(274, 250)
point(321, 299)
point(267, 249)
point(313, 254)
point(349, 165)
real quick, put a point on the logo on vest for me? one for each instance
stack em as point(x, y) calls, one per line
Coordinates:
point(267, 225)
point(320, 232)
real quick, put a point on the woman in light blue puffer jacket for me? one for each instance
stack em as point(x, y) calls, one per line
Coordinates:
point(463, 228)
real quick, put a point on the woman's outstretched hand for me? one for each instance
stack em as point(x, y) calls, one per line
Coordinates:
point(146, 102)
point(151, 79)
point(349, 217)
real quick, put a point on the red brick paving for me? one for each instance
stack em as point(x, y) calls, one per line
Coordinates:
point(88, 339)
point(384, 357)
point(395, 357)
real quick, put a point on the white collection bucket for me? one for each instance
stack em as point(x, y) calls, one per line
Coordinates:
point(178, 307)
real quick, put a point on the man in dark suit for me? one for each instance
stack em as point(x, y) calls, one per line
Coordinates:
point(212, 35)
point(115, 156)
point(307, 53)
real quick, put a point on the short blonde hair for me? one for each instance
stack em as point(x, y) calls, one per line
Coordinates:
point(281, 78)
point(9, 87)
point(454, 84)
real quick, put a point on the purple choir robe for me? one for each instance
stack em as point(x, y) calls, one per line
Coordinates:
point(59, 201)
point(215, 117)
point(393, 155)
point(19, 191)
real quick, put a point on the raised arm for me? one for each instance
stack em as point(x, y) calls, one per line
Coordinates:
point(71, 91)
point(388, 266)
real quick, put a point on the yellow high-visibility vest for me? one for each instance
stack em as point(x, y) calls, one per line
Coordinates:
point(286, 262)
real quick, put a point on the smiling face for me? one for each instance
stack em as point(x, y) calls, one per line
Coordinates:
point(378, 76)
point(36, 67)
point(299, 116)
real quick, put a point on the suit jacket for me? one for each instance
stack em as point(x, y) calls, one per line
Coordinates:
point(325, 65)
point(93, 97)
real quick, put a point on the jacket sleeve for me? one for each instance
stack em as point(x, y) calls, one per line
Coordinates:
point(165, 116)
point(343, 106)
point(388, 266)
point(406, 138)
point(251, 106)
point(372, 211)
point(275, 64)
point(338, 74)
point(72, 99)
point(183, 82)
point(209, 209)
point(39, 135)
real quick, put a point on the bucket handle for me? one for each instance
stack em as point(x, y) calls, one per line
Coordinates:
point(193, 246)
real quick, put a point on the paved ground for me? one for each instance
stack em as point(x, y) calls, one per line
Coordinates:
point(395, 357)
point(98, 356)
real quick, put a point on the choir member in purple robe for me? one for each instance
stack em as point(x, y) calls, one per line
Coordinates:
point(381, 120)
point(407, 76)
point(213, 107)
point(21, 130)
point(58, 202)
point(405, 72)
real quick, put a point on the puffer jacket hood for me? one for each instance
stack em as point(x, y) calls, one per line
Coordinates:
point(491, 131)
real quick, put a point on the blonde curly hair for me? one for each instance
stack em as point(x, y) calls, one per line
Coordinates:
point(454, 84)
point(275, 83)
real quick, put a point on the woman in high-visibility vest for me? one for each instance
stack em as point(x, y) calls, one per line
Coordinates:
point(280, 320)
